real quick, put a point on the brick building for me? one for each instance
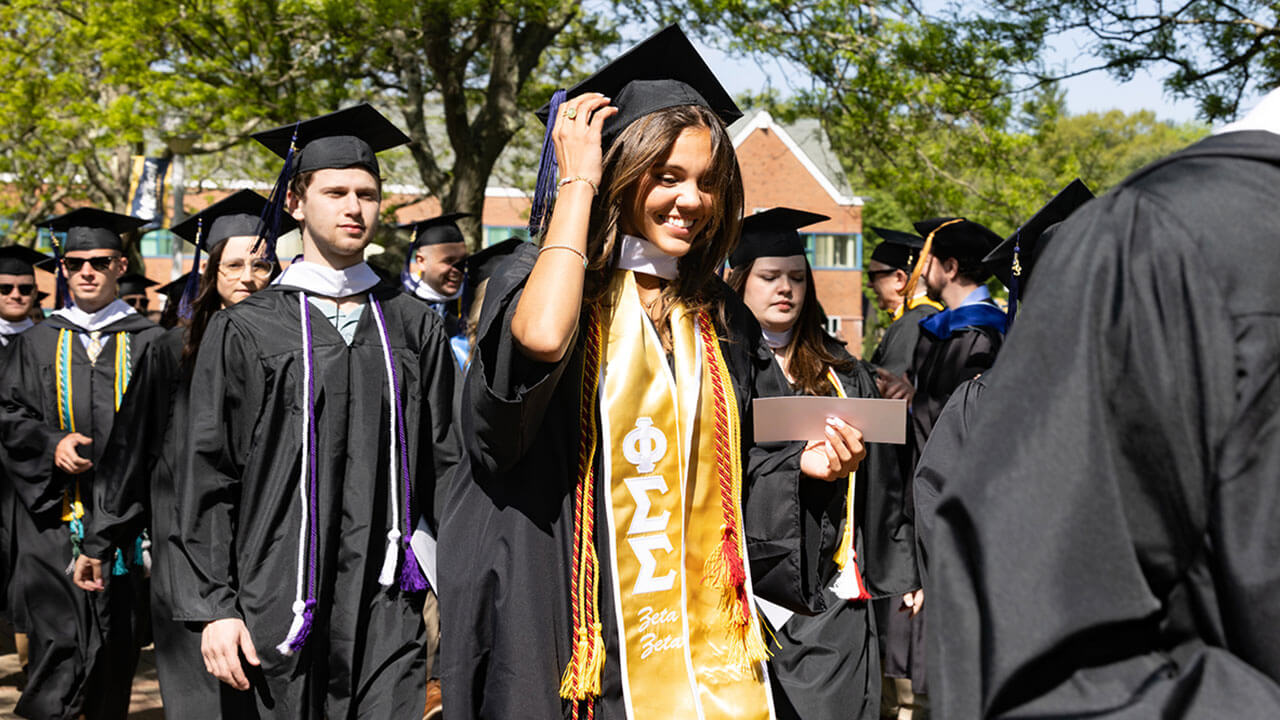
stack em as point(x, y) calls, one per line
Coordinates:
point(793, 166)
point(789, 165)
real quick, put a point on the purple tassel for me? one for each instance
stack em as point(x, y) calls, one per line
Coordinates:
point(411, 577)
point(269, 221)
point(545, 190)
point(185, 309)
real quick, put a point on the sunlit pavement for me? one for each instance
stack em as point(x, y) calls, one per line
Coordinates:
point(145, 704)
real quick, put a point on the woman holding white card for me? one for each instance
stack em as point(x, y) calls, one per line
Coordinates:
point(826, 666)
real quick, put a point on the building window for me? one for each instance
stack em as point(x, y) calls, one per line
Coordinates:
point(834, 326)
point(157, 243)
point(834, 251)
point(496, 234)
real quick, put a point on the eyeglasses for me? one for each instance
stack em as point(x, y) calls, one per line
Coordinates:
point(99, 264)
point(235, 268)
point(873, 274)
point(24, 289)
point(137, 302)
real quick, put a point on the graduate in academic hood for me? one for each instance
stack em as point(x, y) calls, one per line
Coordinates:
point(1123, 498)
point(67, 378)
point(1012, 262)
point(888, 273)
point(595, 541)
point(435, 271)
point(295, 527)
point(825, 666)
point(138, 489)
point(955, 345)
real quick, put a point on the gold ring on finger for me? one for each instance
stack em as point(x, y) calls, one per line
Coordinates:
point(571, 113)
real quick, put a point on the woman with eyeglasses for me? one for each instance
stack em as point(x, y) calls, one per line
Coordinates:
point(140, 487)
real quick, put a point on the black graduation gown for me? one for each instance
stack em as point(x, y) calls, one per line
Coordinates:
point(828, 665)
point(508, 522)
point(897, 348)
point(939, 366)
point(82, 645)
point(7, 500)
point(239, 514)
point(1109, 547)
point(136, 491)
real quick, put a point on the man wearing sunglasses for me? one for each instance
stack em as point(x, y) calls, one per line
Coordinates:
point(18, 294)
point(65, 379)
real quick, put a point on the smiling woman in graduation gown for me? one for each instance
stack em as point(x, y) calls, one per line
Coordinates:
point(826, 666)
point(1107, 545)
point(587, 571)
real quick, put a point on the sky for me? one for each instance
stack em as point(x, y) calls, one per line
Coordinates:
point(1094, 92)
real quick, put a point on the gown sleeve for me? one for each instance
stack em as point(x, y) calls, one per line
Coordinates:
point(28, 438)
point(506, 394)
point(121, 484)
point(438, 450)
point(1073, 537)
point(224, 406)
point(788, 517)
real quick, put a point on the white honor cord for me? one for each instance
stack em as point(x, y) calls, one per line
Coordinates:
point(387, 577)
point(299, 603)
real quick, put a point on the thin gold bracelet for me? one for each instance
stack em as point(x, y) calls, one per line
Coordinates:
point(573, 250)
point(594, 188)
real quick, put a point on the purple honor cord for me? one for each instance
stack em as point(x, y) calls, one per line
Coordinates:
point(411, 577)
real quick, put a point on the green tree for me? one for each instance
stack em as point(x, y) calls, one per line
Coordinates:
point(1213, 51)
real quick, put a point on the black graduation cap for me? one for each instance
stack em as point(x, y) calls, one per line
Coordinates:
point(236, 215)
point(134, 284)
point(898, 250)
point(1017, 254)
point(663, 71)
point(19, 260)
point(351, 137)
point(91, 229)
point(436, 230)
point(172, 290)
point(772, 233)
point(958, 237)
point(482, 265)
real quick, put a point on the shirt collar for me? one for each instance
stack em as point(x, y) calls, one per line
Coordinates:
point(326, 281)
point(980, 295)
point(8, 327)
point(640, 255)
point(114, 311)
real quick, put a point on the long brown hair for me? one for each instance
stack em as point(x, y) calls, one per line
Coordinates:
point(207, 302)
point(638, 148)
point(807, 355)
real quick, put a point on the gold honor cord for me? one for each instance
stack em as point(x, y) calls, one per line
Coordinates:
point(910, 290)
point(848, 583)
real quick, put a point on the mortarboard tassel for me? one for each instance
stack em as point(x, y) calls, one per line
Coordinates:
point(62, 296)
point(269, 222)
point(185, 310)
point(1014, 275)
point(545, 189)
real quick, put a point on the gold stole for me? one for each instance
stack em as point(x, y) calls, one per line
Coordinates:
point(916, 302)
point(679, 657)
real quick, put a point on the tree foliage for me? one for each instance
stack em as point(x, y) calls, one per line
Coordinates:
point(1214, 51)
point(92, 82)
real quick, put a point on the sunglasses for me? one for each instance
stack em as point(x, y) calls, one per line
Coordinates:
point(24, 289)
point(99, 264)
point(873, 274)
point(137, 302)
